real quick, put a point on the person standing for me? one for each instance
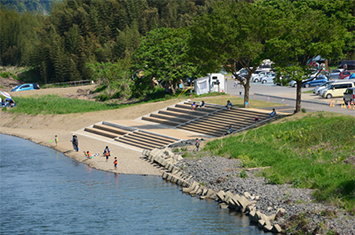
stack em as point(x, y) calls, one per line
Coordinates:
point(107, 153)
point(56, 140)
point(197, 144)
point(75, 143)
point(115, 163)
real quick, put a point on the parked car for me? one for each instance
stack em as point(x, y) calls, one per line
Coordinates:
point(259, 76)
point(269, 78)
point(26, 87)
point(346, 73)
point(316, 81)
point(349, 95)
point(352, 76)
point(317, 89)
point(335, 73)
point(347, 64)
point(337, 89)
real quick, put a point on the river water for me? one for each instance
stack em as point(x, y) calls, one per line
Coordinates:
point(44, 192)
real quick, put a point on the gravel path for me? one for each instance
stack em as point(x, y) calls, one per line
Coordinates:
point(302, 213)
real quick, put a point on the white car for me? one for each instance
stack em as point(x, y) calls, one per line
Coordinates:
point(317, 89)
point(269, 78)
point(259, 76)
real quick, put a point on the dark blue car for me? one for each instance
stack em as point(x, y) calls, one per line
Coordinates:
point(316, 81)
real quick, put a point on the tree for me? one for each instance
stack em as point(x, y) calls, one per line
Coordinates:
point(115, 77)
point(303, 34)
point(161, 55)
point(234, 36)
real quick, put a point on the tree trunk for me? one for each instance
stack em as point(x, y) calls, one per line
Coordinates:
point(246, 93)
point(172, 86)
point(298, 96)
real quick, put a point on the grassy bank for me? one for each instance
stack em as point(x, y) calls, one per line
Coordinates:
point(54, 104)
point(308, 152)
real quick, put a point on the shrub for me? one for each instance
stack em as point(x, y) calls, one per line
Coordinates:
point(303, 110)
point(243, 174)
point(5, 74)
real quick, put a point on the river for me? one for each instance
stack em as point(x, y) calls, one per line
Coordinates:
point(44, 192)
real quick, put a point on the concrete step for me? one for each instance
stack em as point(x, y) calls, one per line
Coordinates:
point(204, 126)
point(188, 107)
point(214, 107)
point(162, 121)
point(187, 112)
point(101, 132)
point(201, 131)
point(148, 139)
point(169, 117)
point(177, 115)
point(245, 112)
point(142, 141)
point(157, 137)
point(224, 121)
point(127, 139)
point(133, 144)
point(110, 129)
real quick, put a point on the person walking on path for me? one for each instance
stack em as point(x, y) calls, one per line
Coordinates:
point(75, 143)
point(115, 163)
point(197, 144)
point(56, 140)
point(107, 153)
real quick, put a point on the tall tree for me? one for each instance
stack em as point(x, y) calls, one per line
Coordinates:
point(234, 36)
point(161, 55)
point(303, 34)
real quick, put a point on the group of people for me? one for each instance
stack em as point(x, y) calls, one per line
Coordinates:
point(87, 154)
point(194, 106)
point(7, 103)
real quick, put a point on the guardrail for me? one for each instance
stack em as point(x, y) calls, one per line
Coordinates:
point(69, 83)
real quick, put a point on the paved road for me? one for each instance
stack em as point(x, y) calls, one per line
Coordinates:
point(287, 96)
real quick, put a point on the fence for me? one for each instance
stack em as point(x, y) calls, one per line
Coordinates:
point(70, 83)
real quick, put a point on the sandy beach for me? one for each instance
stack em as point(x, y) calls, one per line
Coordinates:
point(41, 129)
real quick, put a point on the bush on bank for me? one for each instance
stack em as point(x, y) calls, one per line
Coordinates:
point(308, 153)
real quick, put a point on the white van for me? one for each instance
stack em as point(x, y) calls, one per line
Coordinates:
point(337, 89)
point(349, 95)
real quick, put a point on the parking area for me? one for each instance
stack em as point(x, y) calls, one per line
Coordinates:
point(287, 96)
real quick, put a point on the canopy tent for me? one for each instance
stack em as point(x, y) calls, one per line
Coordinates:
point(7, 95)
point(202, 85)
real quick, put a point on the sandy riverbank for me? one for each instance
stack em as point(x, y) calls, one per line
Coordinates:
point(41, 129)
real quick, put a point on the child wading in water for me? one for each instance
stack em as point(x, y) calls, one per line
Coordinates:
point(115, 163)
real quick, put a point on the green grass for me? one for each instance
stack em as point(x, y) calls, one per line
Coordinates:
point(308, 92)
point(307, 152)
point(53, 104)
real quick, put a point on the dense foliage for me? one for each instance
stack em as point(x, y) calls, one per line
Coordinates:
point(235, 34)
point(35, 6)
point(78, 32)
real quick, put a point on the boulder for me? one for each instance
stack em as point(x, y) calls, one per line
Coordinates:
point(168, 178)
point(221, 194)
point(261, 223)
point(276, 228)
point(223, 205)
point(247, 195)
point(210, 193)
point(268, 228)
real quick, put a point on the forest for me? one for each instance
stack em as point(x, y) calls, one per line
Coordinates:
point(72, 40)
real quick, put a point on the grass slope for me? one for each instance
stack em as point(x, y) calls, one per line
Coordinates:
point(308, 152)
point(54, 104)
